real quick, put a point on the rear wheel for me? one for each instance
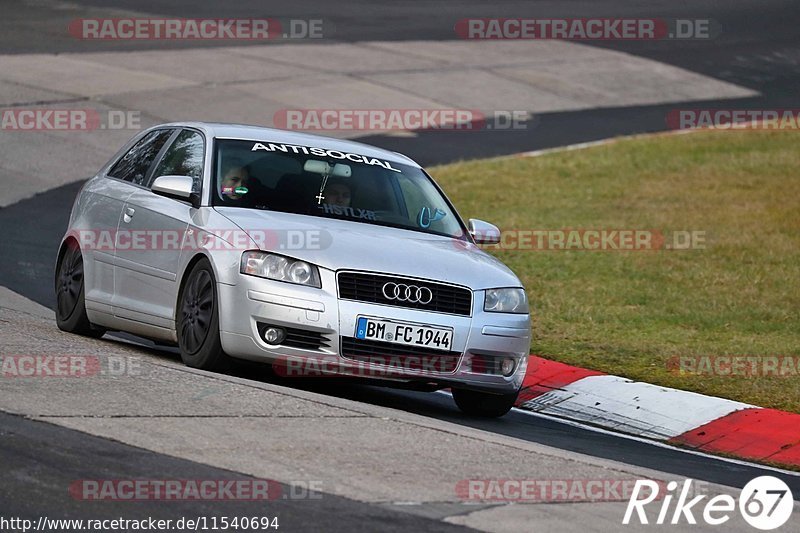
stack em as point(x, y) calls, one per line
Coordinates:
point(484, 404)
point(70, 302)
point(198, 321)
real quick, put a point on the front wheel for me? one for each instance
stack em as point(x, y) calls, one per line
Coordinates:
point(198, 321)
point(70, 290)
point(484, 404)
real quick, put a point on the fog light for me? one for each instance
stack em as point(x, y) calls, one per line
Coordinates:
point(508, 366)
point(274, 335)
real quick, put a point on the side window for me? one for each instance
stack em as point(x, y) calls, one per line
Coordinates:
point(133, 165)
point(184, 158)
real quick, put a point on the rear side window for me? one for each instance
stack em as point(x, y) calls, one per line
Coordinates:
point(133, 165)
point(184, 157)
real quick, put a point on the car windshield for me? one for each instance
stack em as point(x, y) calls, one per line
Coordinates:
point(328, 183)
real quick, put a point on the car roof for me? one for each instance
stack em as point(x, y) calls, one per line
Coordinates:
point(261, 134)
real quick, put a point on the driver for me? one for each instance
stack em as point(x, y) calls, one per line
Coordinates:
point(235, 178)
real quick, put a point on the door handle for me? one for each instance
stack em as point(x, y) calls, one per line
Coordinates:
point(127, 215)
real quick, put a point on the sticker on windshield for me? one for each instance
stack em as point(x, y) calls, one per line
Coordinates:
point(425, 218)
point(323, 152)
point(353, 212)
point(241, 190)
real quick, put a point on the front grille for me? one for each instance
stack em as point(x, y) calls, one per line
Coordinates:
point(299, 338)
point(398, 356)
point(364, 287)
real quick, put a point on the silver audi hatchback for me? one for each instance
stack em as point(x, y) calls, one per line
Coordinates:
point(319, 256)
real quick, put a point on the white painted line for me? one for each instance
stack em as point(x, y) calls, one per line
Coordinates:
point(601, 142)
point(571, 147)
point(643, 440)
point(652, 442)
point(633, 407)
point(612, 140)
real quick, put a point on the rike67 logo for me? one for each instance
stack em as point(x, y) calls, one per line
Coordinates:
point(766, 503)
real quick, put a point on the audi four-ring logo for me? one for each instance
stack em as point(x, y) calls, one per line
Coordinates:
point(407, 293)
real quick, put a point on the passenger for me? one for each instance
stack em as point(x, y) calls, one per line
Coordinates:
point(338, 193)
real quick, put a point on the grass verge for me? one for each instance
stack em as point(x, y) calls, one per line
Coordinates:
point(632, 313)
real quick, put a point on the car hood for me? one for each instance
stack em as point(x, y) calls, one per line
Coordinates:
point(347, 245)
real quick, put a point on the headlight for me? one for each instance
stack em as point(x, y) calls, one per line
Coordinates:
point(280, 268)
point(506, 301)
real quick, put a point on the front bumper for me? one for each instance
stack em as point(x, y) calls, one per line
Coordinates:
point(255, 300)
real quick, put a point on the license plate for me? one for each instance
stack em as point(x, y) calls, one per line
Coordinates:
point(404, 333)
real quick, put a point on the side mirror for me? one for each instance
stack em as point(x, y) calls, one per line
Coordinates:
point(483, 232)
point(178, 187)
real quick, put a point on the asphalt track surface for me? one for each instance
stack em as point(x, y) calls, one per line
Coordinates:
point(41, 459)
point(759, 49)
point(542, 430)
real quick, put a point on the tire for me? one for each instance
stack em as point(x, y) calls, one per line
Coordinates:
point(484, 404)
point(197, 321)
point(70, 295)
